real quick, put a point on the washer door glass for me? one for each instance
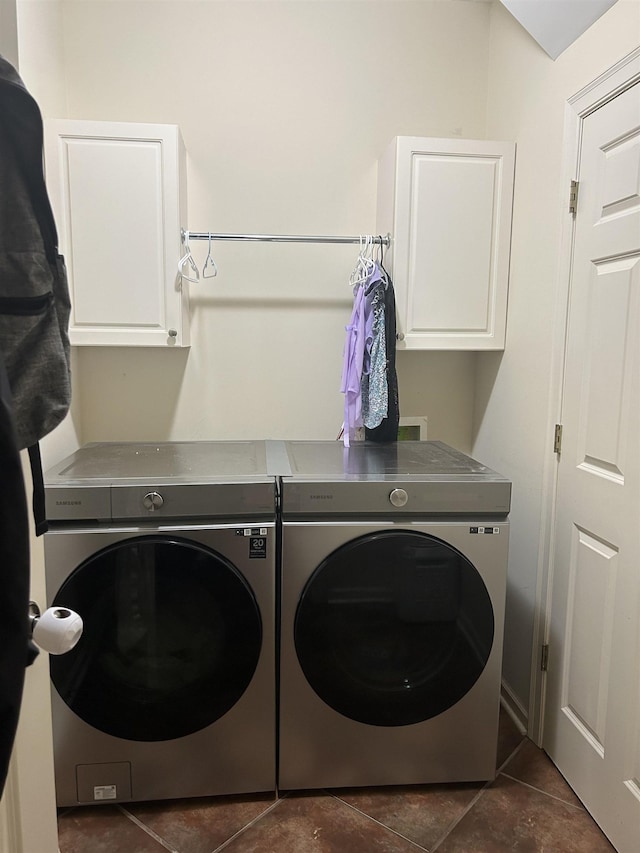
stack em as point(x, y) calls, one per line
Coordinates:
point(172, 636)
point(394, 628)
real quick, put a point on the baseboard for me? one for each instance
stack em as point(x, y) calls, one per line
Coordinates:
point(514, 708)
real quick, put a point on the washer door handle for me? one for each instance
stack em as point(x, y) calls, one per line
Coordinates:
point(153, 501)
point(398, 497)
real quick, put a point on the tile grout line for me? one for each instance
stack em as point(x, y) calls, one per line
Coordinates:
point(375, 820)
point(512, 754)
point(474, 801)
point(249, 825)
point(513, 778)
point(466, 811)
point(146, 829)
point(579, 807)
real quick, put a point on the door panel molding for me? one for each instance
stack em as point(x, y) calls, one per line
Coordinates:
point(591, 688)
point(595, 94)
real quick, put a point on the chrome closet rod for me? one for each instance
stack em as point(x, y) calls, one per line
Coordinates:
point(284, 238)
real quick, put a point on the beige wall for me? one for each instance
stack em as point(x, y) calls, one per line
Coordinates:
point(9, 31)
point(284, 108)
point(41, 53)
point(527, 93)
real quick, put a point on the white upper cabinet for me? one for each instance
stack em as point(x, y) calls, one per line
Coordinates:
point(447, 204)
point(118, 192)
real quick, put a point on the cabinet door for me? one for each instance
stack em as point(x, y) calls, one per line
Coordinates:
point(119, 198)
point(447, 204)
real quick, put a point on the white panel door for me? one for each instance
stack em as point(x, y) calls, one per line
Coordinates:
point(592, 718)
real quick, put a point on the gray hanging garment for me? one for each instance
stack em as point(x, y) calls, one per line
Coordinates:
point(374, 378)
point(388, 429)
point(14, 579)
point(34, 295)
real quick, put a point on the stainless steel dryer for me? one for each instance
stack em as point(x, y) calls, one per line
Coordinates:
point(394, 562)
point(167, 551)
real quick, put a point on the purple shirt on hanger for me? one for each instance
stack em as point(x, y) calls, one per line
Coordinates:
point(359, 331)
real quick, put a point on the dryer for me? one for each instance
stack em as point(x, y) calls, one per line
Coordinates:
point(394, 561)
point(168, 553)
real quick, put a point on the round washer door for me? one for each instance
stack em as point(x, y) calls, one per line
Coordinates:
point(394, 628)
point(172, 636)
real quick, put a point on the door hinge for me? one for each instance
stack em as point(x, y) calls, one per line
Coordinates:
point(573, 197)
point(557, 439)
point(544, 658)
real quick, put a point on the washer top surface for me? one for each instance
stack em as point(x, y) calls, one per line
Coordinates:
point(404, 477)
point(144, 480)
point(179, 461)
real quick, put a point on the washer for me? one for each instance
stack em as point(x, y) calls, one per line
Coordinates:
point(168, 553)
point(394, 562)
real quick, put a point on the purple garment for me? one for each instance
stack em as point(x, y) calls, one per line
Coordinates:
point(356, 357)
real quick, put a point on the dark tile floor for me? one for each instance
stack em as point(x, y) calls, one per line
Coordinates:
point(529, 808)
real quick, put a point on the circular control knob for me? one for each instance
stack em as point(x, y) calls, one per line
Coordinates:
point(152, 501)
point(398, 497)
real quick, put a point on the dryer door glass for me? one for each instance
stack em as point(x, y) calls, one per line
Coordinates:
point(394, 628)
point(172, 636)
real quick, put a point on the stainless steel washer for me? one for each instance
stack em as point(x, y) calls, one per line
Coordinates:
point(394, 562)
point(168, 553)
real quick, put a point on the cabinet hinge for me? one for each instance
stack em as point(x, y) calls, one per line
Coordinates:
point(573, 197)
point(544, 658)
point(557, 439)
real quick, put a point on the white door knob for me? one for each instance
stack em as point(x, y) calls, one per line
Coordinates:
point(57, 630)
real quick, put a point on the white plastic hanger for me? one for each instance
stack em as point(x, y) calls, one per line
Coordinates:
point(209, 264)
point(365, 263)
point(187, 258)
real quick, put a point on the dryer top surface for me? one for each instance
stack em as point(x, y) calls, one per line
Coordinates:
point(400, 478)
point(330, 460)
